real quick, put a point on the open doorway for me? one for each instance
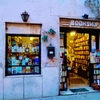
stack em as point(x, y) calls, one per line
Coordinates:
point(74, 57)
point(75, 48)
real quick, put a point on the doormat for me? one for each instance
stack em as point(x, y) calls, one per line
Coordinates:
point(76, 81)
point(79, 90)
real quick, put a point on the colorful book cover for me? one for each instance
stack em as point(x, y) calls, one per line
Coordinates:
point(37, 49)
point(19, 70)
point(32, 70)
point(23, 70)
point(9, 70)
point(14, 70)
point(23, 62)
point(13, 61)
point(36, 60)
point(37, 69)
point(27, 69)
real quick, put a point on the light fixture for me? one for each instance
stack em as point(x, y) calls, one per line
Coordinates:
point(25, 16)
point(85, 16)
point(71, 41)
point(72, 33)
point(31, 38)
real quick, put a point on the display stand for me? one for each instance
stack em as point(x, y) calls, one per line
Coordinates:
point(95, 68)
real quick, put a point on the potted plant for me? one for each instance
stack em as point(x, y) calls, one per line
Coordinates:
point(45, 38)
point(51, 31)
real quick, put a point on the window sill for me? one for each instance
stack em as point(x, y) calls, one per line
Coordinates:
point(22, 76)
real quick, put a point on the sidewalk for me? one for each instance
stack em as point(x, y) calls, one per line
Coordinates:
point(85, 96)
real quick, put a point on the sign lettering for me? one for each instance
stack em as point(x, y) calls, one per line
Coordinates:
point(84, 23)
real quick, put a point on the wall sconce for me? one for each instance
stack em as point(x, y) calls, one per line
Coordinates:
point(85, 16)
point(25, 16)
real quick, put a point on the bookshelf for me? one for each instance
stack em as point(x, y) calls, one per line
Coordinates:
point(63, 74)
point(81, 51)
point(63, 67)
point(96, 73)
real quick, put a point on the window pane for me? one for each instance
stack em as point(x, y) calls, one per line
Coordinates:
point(23, 55)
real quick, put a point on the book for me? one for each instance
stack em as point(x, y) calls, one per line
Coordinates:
point(19, 70)
point(30, 62)
point(32, 70)
point(27, 69)
point(9, 70)
point(37, 69)
point(14, 70)
point(23, 70)
point(36, 60)
point(23, 62)
point(13, 61)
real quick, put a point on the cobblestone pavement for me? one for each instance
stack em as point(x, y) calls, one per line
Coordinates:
point(86, 96)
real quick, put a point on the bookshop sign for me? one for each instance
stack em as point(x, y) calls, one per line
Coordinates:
point(80, 23)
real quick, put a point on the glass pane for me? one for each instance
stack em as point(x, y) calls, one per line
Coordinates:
point(23, 55)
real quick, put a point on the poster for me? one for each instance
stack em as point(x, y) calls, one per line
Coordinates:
point(93, 43)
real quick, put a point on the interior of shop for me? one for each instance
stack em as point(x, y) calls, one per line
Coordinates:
point(76, 61)
point(78, 69)
point(77, 49)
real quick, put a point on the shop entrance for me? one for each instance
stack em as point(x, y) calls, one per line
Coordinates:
point(75, 48)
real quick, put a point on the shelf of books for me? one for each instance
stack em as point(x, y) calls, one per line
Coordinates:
point(96, 76)
point(63, 67)
point(63, 73)
point(23, 55)
point(81, 50)
point(95, 65)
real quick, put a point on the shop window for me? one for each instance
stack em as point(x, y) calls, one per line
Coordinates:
point(23, 54)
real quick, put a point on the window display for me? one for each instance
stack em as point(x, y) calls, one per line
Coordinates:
point(23, 54)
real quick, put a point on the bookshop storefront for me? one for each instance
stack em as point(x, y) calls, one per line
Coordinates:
point(78, 39)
